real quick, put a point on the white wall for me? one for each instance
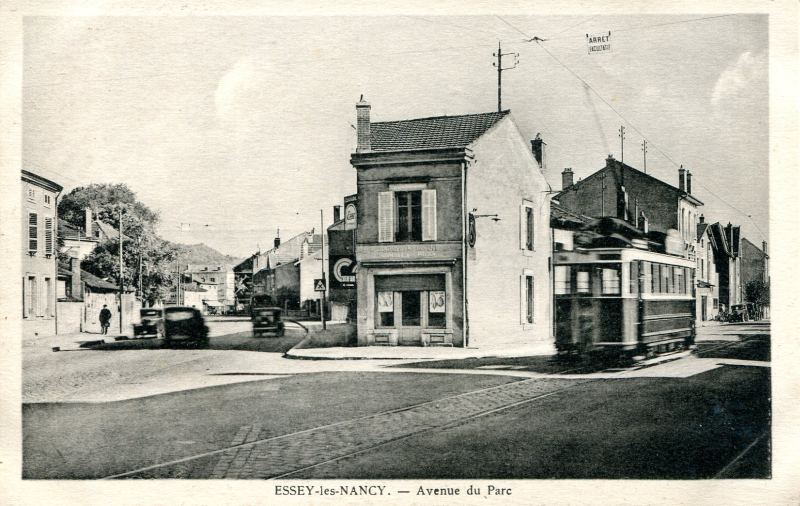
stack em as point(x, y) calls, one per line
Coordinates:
point(310, 269)
point(503, 175)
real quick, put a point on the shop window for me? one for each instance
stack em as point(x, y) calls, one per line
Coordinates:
point(610, 281)
point(436, 309)
point(385, 305)
point(562, 281)
point(716, 303)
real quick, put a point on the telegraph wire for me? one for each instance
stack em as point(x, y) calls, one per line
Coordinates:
point(643, 27)
point(649, 141)
point(527, 37)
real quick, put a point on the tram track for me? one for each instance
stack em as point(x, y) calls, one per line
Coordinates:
point(289, 454)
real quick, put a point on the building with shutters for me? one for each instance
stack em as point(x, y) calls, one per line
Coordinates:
point(39, 255)
point(453, 242)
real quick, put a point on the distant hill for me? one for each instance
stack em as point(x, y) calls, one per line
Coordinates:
point(203, 254)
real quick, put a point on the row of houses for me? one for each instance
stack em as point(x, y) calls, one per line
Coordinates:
point(450, 237)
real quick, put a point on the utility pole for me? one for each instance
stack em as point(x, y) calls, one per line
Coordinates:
point(644, 154)
point(622, 144)
point(121, 272)
point(499, 65)
point(322, 256)
point(141, 291)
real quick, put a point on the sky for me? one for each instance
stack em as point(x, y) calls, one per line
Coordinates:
point(233, 127)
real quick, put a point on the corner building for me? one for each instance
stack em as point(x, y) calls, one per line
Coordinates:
point(453, 242)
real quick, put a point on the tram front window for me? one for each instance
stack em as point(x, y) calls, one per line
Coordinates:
point(610, 280)
point(582, 283)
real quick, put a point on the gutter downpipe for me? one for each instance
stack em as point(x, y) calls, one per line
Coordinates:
point(464, 239)
point(55, 255)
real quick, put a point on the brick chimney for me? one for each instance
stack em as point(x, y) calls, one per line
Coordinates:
point(764, 247)
point(537, 148)
point(702, 219)
point(87, 222)
point(75, 279)
point(337, 213)
point(689, 182)
point(277, 241)
point(567, 178)
point(682, 179)
point(362, 126)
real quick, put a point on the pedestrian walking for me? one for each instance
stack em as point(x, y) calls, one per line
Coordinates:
point(105, 318)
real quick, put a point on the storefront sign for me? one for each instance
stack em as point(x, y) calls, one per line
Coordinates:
point(341, 268)
point(350, 216)
point(385, 302)
point(598, 42)
point(436, 302)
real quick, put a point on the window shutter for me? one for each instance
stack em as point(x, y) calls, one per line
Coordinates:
point(428, 215)
point(386, 217)
point(33, 232)
point(48, 236)
point(523, 301)
point(523, 228)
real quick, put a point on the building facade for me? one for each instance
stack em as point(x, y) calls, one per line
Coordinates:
point(623, 192)
point(39, 255)
point(707, 279)
point(216, 277)
point(453, 241)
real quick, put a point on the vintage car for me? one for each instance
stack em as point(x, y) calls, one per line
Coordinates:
point(184, 324)
point(267, 321)
point(151, 323)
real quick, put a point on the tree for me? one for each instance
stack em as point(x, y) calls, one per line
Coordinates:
point(140, 242)
point(105, 200)
point(757, 292)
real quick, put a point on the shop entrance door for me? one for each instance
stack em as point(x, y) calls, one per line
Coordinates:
point(410, 324)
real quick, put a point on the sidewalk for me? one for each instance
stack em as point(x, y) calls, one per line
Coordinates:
point(420, 352)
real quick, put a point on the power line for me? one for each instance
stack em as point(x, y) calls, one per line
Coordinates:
point(649, 142)
point(514, 27)
point(643, 27)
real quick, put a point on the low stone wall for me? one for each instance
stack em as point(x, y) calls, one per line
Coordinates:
point(70, 317)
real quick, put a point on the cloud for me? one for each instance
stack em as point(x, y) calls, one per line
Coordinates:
point(237, 81)
point(739, 76)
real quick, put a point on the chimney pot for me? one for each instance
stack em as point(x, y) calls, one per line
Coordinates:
point(337, 212)
point(682, 179)
point(567, 178)
point(764, 247)
point(277, 241)
point(537, 148)
point(689, 182)
point(363, 126)
point(702, 219)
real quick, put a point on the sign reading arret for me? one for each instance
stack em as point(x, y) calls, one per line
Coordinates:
point(598, 42)
point(319, 285)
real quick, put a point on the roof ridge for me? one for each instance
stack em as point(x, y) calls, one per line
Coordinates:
point(504, 112)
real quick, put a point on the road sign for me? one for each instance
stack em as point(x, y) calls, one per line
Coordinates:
point(598, 42)
point(319, 285)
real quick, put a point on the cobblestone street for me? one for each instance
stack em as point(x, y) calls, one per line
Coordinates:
point(259, 454)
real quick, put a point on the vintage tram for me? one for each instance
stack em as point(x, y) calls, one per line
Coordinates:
point(623, 301)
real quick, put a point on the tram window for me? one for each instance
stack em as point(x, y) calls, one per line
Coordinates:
point(562, 286)
point(633, 270)
point(665, 279)
point(610, 281)
point(582, 282)
point(655, 278)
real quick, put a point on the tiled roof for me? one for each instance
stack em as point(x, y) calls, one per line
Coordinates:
point(95, 282)
point(429, 133)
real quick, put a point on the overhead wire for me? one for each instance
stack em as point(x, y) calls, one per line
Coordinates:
point(649, 141)
point(644, 27)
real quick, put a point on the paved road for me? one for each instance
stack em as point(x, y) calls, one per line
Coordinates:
point(689, 418)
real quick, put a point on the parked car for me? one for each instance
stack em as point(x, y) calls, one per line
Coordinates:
point(267, 320)
point(184, 324)
point(151, 323)
point(739, 313)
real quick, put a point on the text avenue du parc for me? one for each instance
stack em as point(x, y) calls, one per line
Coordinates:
point(376, 490)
